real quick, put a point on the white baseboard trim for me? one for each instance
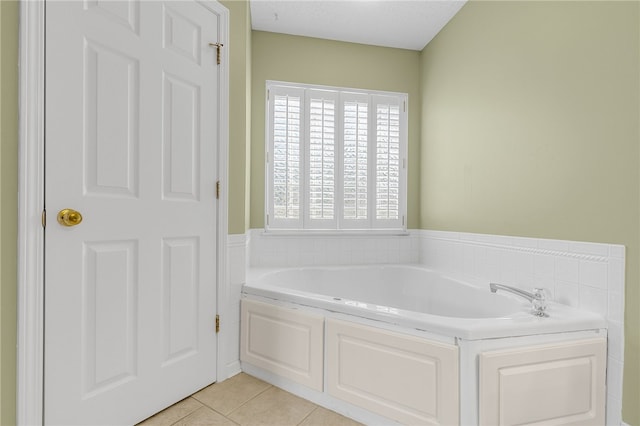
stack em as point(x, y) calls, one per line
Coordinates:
point(233, 368)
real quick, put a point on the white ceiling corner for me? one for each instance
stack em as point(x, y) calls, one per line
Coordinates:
point(404, 24)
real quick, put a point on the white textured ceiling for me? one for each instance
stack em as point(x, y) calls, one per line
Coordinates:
point(405, 24)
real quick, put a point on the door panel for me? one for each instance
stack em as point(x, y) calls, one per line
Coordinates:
point(109, 315)
point(181, 112)
point(182, 35)
point(180, 260)
point(132, 107)
point(122, 12)
point(111, 113)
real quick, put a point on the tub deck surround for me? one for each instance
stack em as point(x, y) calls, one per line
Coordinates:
point(415, 297)
point(587, 276)
point(382, 364)
point(401, 342)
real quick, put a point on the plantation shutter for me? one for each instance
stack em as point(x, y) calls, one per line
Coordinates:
point(286, 168)
point(356, 161)
point(388, 161)
point(336, 159)
point(322, 108)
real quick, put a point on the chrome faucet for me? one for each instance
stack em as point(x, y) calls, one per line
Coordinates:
point(537, 298)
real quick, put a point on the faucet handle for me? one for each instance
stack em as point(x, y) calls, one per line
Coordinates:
point(539, 303)
point(540, 293)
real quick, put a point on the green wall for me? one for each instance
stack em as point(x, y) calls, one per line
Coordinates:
point(8, 207)
point(310, 60)
point(239, 114)
point(524, 120)
point(530, 127)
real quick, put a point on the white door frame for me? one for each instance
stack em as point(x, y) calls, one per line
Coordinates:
point(30, 333)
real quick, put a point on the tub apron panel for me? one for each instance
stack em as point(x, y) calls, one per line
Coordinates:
point(402, 377)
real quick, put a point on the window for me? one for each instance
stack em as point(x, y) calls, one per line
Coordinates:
point(336, 158)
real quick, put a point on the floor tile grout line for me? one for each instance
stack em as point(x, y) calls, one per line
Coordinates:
point(218, 412)
point(221, 413)
point(204, 404)
point(174, 404)
point(206, 407)
point(231, 420)
point(188, 414)
point(249, 400)
point(307, 416)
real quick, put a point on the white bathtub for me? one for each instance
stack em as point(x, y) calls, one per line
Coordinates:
point(418, 298)
point(388, 344)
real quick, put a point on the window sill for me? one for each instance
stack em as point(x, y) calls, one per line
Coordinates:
point(298, 233)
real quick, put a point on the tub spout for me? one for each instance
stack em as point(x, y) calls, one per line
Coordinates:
point(537, 298)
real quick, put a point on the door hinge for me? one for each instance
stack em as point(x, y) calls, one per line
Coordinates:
point(44, 218)
point(217, 323)
point(217, 190)
point(217, 46)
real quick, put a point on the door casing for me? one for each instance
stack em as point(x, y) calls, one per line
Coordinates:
point(31, 190)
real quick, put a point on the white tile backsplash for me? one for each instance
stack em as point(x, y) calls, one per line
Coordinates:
point(616, 251)
point(614, 410)
point(567, 269)
point(516, 267)
point(486, 263)
point(554, 245)
point(616, 306)
point(567, 293)
point(594, 274)
point(295, 250)
point(614, 377)
point(616, 350)
point(589, 248)
point(594, 300)
point(543, 266)
point(615, 274)
point(585, 275)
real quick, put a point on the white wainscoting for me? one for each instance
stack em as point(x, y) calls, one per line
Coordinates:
point(229, 305)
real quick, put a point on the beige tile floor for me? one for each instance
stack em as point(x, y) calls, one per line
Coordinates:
point(245, 400)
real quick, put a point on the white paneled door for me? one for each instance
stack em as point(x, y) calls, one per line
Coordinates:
point(132, 125)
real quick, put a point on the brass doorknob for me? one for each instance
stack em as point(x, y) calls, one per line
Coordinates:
point(69, 217)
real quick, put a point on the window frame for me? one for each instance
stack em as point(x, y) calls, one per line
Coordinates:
point(338, 224)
